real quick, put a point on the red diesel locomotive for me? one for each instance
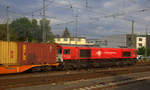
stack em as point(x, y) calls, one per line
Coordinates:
point(82, 57)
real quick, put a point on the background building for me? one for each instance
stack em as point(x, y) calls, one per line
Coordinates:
point(97, 42)
point(143, 41)
point(116, 41)
point(72, 41)
point(140, 41)
point(131, 41)
point(128, 41)
point(113, 41)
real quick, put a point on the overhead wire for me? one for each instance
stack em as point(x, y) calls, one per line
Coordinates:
point(114, 15)
point(40, 9)
point(26, 14)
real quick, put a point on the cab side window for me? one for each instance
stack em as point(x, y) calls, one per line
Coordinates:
point(66, 51)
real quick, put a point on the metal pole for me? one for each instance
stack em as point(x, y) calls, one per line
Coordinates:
point(145, 42)
point(132, 36)
point(8, 37)
point(43, 22)
point(76, 33)
point(86, 4)
point(32, 15)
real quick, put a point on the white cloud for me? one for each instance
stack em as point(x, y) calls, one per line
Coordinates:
point(108, 4)
point(147, 18)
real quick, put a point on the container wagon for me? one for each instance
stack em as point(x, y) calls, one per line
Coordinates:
point(18, 57)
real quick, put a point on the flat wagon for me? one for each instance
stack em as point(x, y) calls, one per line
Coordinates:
point(18, 57)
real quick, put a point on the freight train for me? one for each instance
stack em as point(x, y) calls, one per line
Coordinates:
point(16, 57)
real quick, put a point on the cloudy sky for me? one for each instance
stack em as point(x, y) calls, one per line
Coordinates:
point(96, 18)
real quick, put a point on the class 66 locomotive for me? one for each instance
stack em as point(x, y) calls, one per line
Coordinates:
point(16, 57)
point(87, 57)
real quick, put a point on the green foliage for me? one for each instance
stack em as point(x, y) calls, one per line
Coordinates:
point(44, 24)
point(23, 29)
point(148, 51)
point(141, 51)
point(3, 33)
point(66, 33)
point(36, 31)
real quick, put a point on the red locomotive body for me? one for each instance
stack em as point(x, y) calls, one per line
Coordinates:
point(94, 56)
point(79, 53)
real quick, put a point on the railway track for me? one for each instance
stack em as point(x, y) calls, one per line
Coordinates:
point(55, 72)
point(31, 79)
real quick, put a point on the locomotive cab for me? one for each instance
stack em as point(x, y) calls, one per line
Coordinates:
point(59, 58)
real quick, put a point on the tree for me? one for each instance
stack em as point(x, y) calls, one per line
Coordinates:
point(3, 33)
point(23, 28)
point(36, 31)
point(148, 51)
point(66, 33)
point(27, 30)
point(141, 51)
point(47, 29)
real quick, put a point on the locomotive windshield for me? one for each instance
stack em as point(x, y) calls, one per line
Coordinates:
point(59, 51)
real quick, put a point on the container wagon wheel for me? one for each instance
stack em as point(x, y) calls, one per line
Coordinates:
point(35, 69)
point(46, 68)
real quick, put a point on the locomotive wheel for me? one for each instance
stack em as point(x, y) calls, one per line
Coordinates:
point(61, 67)
point(95, 65)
